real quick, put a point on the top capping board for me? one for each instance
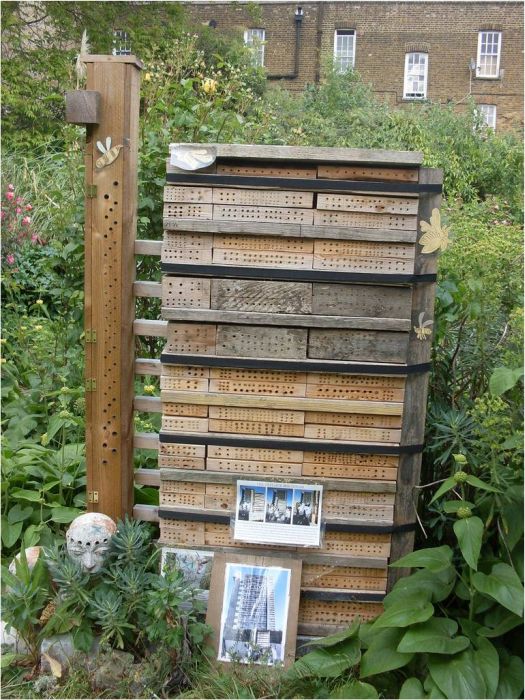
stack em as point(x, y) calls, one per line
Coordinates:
point(316, 154)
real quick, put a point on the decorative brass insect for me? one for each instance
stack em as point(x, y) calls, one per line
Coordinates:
point(109, 154)
point(435, 236)
point(422, 332)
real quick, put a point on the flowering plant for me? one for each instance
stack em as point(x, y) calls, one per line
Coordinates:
point(17, 230)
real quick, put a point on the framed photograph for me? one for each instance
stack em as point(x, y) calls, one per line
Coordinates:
point(195, 564)
point(253, 608)
point(278, 513)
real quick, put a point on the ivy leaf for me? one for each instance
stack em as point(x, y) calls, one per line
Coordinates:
point(488, 661)
point(510, 678)
point(433, 636)
point(433, 558)
point(447, 485)
point(502, 584)
point(402, 615)
point(327, 663)
point(469, 532)
point(458, 676)
point(412, 689)
point(334, 639)
point(355, 689)
point(498, 622)
point(382, 654)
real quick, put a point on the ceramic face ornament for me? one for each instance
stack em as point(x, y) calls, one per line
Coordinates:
point(88, 539)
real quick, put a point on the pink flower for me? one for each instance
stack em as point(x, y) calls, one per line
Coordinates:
point(10, 196)
point(2, 215)
point(18, 210)
point(36, 239)
point(10, 187)
point(26, 221)
point(10, 259)
point(19, 200)
point(28, 207)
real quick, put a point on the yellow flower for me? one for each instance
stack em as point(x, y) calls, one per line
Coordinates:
point(147, 76)
point(2, 360)
point(39, 302)
point(38, 327)
point(149, 389)
point(23, 328)
point(209, 86)
point(44, 440)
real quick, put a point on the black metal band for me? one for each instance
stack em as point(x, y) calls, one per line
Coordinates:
point(169, 358)
point(289, 275)
point(204, 517)
point(290, 444)
point(357, 596)
point(304, 184)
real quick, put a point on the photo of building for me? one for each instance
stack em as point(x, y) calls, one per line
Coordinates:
point(254, 614)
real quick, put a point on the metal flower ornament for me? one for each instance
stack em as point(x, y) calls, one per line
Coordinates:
point(435, 236)
point(423, 331)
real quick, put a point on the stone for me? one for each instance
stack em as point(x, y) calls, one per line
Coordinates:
point(113, 667)
point(10, 641)
point(88, 538)
point(60, 648)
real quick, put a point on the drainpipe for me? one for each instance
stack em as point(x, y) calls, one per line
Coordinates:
point(299, 14)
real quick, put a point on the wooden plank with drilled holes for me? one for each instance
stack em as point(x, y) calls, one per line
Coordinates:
point(270, 297)
point(368, 203)
point(364, 172)
point(361, 300)
point(263, 198)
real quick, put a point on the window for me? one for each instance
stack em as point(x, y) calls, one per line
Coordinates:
point(254, 38)
point(121, 43)
point(416, 72)
point(488, 114)
point(344, 50)
point(489, 51)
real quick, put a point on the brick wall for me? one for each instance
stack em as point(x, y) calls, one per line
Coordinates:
point(385, 31)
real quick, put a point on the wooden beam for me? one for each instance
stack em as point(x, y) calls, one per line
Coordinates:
point(147, 404)
point(147, 477)
point(110, 229)
point(151, 290)
point(148, 247)
point(147, 366)
point(147, 513)
point(146, 441)
point(144, 326)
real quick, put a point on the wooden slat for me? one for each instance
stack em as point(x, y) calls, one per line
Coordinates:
point(143, 247)
point(142, 326)
point(147, 513)
point(146, 441)
point(147, 477)
point(365, 172)
point(288, 403)
point(151, 290)
point(295, 320)
point(147, 404)
point(147, 366)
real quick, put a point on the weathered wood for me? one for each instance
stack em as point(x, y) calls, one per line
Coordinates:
point(147, 366)
point(286, 230)
point(253, 168)
point(147, 477)
point(146, 441)
point(367, 203)
point(83, 107)
point(374, 173)
point(382, 221)
point(153, 248)
point(369, 346)
point(147, 404)
point(146, 513)
point(316, 154)
point(151, 290)
point(142, 326)
point(184, 292)
point(253, 341)
point(110, 274)
point(191, 338)
point(361, 300)
point(271, 297)
point(264, 198)
point(291, 403)
point(276, 319)
point(413, 427)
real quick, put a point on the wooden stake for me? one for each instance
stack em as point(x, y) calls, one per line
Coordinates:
point(110, 231)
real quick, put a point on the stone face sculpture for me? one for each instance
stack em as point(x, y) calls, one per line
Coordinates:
point(88, 539)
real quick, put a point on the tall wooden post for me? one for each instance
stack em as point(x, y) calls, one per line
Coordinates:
point(110, 231)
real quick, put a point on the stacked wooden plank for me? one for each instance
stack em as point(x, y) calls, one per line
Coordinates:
point(294, 284)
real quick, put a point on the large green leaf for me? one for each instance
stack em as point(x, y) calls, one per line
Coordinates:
point(446, 486)
point(11, 532)
point(26, 495)
point(469, 532)
point(488, 662)
point(503, 379)
point(433, 636)
point(402, 615)
point(502, 584)
point(355, 689)
point(433, 558)
point(382, 654)
point(17, 513)
point(83, 637)
point(61, 514)
point(412, 689)
point(334, 639)
point(422, 585)
point(498, 622)
point(327, 663)
point(510, 679)
point(474, 481)
point(458, 676)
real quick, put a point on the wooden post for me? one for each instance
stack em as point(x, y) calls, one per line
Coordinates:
point(110, 231)
point(413, 426)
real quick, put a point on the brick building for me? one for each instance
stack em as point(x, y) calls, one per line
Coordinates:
point(408, 51)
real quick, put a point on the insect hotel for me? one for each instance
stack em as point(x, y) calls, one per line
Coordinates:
point(297, 304)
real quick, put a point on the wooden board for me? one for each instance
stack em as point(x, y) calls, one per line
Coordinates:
point(374, 173)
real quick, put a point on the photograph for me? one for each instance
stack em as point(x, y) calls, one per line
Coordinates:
point(305, 507)
point(251, 503)
point(279, 506)
point(254, 614)
point(194, 564)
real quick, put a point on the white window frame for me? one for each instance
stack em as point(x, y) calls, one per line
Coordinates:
point(121, 43)
point(489, 114)
point(408, 84)
point(346, 55)
point(254, 38)
point(483, 39)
